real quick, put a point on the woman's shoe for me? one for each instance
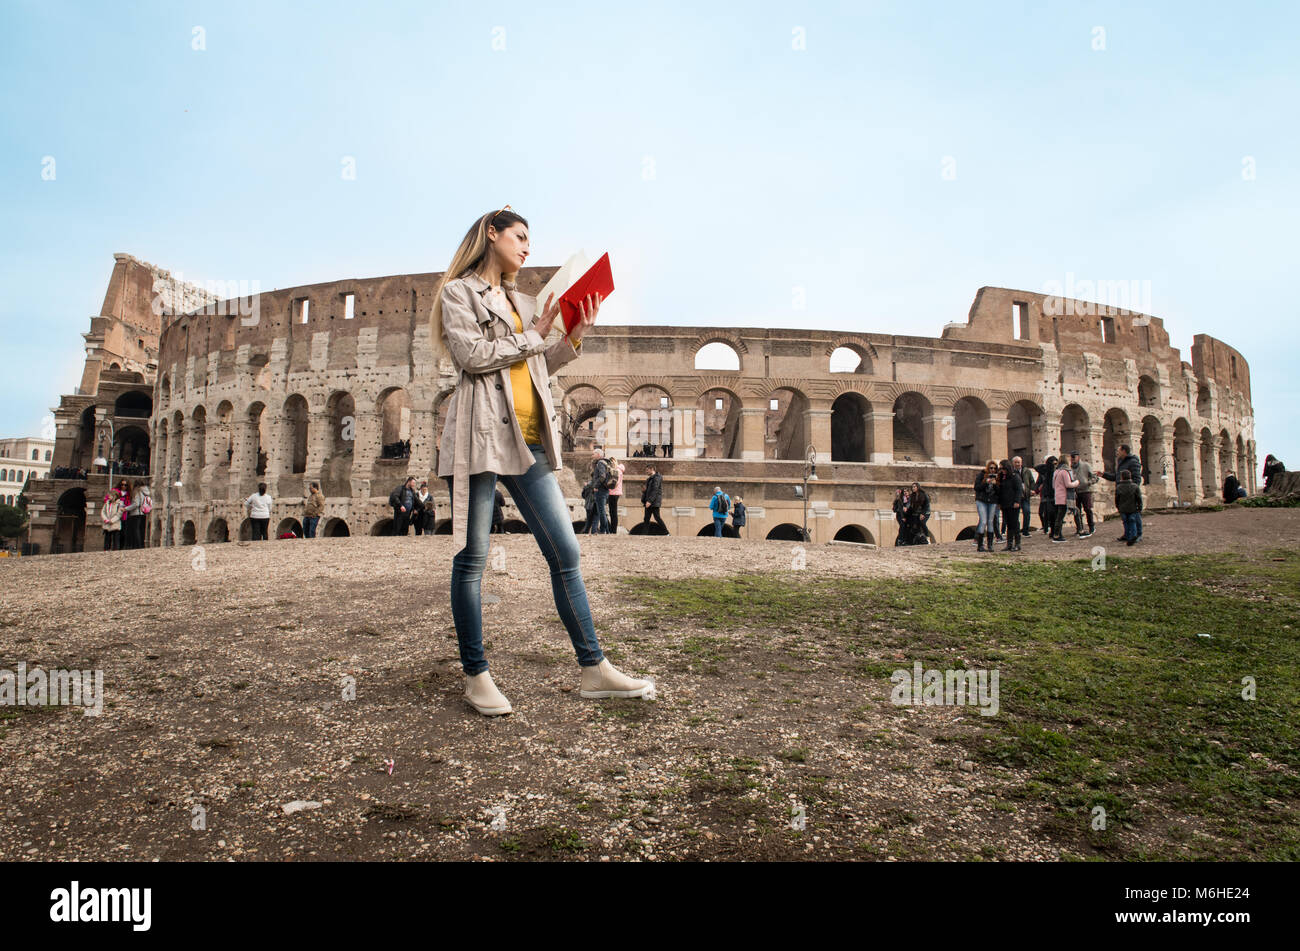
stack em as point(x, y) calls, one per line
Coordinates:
point(606, 680)
point(482, 694)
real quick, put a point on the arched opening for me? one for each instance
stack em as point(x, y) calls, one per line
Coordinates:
point(967, 533)
point(1075, 432)
point(786, 532)
point(717, 356)
point(176, 458)
point(913, 436)
point(1245, 475)
point(1202, 400)
point(83, 447)
point(1151, 450)
point(1226, 462)
point(134, 403)
point(188, 536)
point(336, 528)
point(728, 530)
point(225, 433)
point(515, 526)
point(131, 451)
point(718, 435)
point(851, 428)
point(257, 423)
point(291, 525)
point(395, 416)
point(336, 471)
point(1115, 430)
point(1209, 481)
point(218, 531)
point(971, 443)
point(784, 424)
point(1024, 422)
point(583, 426)
point(650, 421)
point(294, 434)
point(647, 528)
point(849, 360)
point(384, 527)
point(1148, 392)
point(246, 530)
point(855, 533)
point(70, 522)
point(1184, 461)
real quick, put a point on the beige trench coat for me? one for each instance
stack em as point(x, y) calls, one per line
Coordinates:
point(481, 433)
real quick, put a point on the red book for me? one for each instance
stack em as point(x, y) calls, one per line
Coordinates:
point(598, 280)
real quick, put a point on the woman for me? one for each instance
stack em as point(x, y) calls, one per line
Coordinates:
point(615, 494)
point(918, 512)
point(1010, 491)
point(111, 514)
point(986, 501)
point(738, 515)
point(900, 516)
point(501, 424)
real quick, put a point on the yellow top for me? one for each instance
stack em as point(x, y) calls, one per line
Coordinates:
point(528, 409)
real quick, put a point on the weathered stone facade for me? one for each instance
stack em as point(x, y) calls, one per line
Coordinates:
point(259, 393)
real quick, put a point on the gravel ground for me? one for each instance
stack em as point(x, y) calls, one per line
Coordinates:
point(225, 669)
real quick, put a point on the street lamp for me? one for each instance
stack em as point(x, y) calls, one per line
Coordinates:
point(809, 475)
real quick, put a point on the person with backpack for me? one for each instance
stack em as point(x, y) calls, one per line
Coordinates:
point(719, 505)
point(738, 515)
point(601, 481)
point(134, 513)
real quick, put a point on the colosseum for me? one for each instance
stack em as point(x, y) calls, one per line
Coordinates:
point(341, 383)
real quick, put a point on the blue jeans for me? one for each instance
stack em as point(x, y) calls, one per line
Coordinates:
point(1132, 525)
point(600, 522)
point(717, 525)
point(986, 510)
point(537, 494)
point(309, 526)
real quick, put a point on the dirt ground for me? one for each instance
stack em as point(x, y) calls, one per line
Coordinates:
point(225, 670)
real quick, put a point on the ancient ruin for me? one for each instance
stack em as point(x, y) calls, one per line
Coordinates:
point(341, 383)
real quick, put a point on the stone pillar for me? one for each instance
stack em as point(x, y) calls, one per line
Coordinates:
point(993, 437)
point(817, 429)
point(1163, 473)
point(277, 457)
point(1211, 478)
point(421, 462)
point(243, 461)
point(881, 427)
point(1096, 435)
point(320, 439)
point(753, 431)
point(369, 437)
point(939, 429)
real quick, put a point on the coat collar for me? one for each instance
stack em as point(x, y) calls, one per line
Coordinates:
point(525, 304)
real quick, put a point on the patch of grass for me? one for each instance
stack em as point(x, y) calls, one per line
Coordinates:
point(1108, 693)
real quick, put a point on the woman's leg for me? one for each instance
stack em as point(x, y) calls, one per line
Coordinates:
point(467, 573)
point(541, 503)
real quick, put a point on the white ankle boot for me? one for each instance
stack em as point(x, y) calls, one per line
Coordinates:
point(606, 680)
point(482, 694)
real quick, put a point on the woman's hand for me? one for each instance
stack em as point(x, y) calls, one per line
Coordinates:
point(543, 323)
point(586, 316)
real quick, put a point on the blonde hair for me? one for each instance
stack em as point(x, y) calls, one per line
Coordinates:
point(470, 256)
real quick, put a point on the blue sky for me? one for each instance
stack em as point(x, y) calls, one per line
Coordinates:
point(720, 166)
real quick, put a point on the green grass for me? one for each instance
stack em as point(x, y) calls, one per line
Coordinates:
point(1108, 695)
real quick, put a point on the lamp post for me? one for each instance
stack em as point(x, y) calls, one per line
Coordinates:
point(809, 475)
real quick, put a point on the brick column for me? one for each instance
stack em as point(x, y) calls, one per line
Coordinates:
point(753, 431)
point(993, 437)
point(940, 429)
point(817, 429)
point(882, 438)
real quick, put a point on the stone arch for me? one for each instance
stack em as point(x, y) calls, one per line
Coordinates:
point(225, 432)
point(1148, 392)
point(584, 419)
point(650, 419)
point(1116, 429)
point(913, 428)
point(394, 408)
point(785, 424)
point(851, 428)
point(971, 440)
point(336, 528)
point(859, 534)
point(1226, 462)
point(188, 536)
point(967, 533)
point(1184, 461)
point(218, 531)
point(717, 355)
point(647, 528)
point(786, 532)
point(288, 525)
point(133, 403)
point(1024, 432)
point(515, 526)
point(131, 446)
point(1151, 449)
point(1203, 401)
point(336, 470)
point(728, 531)
point(382, 527)
point(848, 357)
point(295, 420)
point(1209, 486)
point(718, 432)
point(165, 389)
point(70, 521)
point(1076, 432)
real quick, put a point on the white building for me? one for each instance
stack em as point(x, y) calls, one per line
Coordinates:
point(22, 459)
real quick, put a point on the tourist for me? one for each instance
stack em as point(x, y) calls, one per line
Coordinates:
point(1028, 481)
point(986, 500)
point(601, 480)
point(422, 505)
point(616, 493)
point(738, 515)
point(312, 509)
point(111, 515)
point(652, 495)
point(496, 336)
point(258, 506)
point(133, 519)
point(1272, 468)
point(589, 503)
point(428, 511)
point(402, 499)
point(498, 512)
point(918, 514)
point(1046, 494)
point(1083, 474)
point(900, 516)
point(1128, 501)
point(1131, 464)
point(719, 505)
point(1232, 489)
point(1010, 498)
point(1063, 484)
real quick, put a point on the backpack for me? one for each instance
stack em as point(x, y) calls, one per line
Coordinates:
point(724, 505)
point(611, 479)
point(146, 505)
